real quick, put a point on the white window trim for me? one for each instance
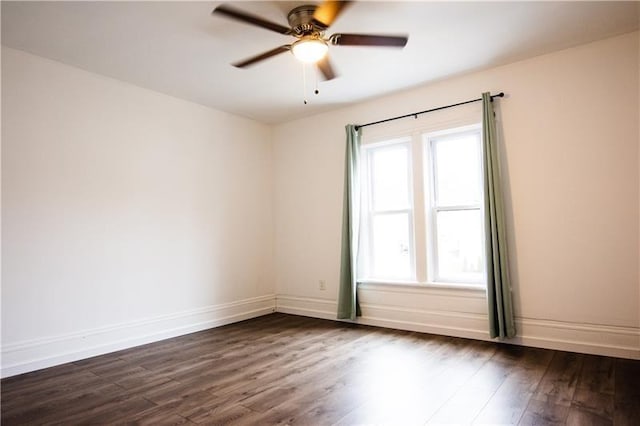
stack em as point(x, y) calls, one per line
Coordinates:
point(416, 139)
point(377, 283)
point(431, 207)
point(367, 219)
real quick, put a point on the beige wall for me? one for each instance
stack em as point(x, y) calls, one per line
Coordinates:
point(128, 215)
point(570, 134)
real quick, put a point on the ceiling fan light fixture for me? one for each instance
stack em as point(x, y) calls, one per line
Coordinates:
point(309, 49)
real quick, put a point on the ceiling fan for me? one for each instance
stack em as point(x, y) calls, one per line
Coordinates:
point(308, 24)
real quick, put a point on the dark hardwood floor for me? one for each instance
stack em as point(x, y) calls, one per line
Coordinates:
point(295, 370)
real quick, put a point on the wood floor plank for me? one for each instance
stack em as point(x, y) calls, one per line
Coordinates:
point(627, 392)
point(235, 414)
point(49, 391)
point(544, 413)
point(287, 369)
point(412, 385)
point(114, 411)
point(579, 417)
point(524, 369)
point(332, 406)
point(506, 406)
point(627, 378)
point(627, 412)
point(67, 408)
point(598, 374)
point(159, 417)
point(463, 407)
point(600, 404)
point(561, 379)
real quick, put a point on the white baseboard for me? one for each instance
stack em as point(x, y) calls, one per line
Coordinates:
point(308, 307)
point(25, 356)
point(596, 339)
point(616, 341)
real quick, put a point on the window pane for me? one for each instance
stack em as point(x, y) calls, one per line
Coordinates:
point(457, 167)
point(390, 177)
point(460, 256)
point(391, 249)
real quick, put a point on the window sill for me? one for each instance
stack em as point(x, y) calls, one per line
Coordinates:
point(370, 283)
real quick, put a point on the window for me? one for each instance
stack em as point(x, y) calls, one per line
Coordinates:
point(424, 226)
point(388, 201)
point(454, 208)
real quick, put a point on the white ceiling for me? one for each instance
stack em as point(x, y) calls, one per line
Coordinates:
point(180, 49)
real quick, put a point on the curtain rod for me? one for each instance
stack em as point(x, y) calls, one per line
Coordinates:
point(416, 114)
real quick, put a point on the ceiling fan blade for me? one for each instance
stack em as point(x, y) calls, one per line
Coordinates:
point(368, 40)
point(324, 65)
point(263, 56)
point(327, 12)
point(247, 18)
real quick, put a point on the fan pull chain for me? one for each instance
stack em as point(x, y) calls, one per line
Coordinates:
point(315, 74)
point(304, 83)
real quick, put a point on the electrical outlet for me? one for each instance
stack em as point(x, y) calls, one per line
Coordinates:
point(322, 285)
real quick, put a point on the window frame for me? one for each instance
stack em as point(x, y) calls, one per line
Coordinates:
point(367, 152)
point(433, 207)
point(421, 224)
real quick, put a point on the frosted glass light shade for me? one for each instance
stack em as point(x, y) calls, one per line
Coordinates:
point(309, 50)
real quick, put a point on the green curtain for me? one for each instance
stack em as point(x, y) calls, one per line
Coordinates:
point(501, 320)
point(348, 307)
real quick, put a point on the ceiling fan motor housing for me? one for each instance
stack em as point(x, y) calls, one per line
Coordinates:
point(308, 24)
point(301, 20)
